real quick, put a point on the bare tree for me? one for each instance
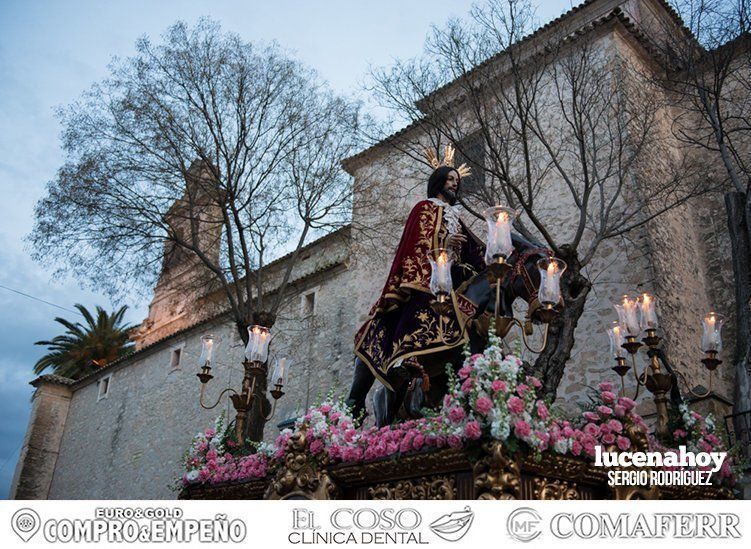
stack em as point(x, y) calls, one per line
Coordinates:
point(708, 73)
point(562, 123)
point(222, 152)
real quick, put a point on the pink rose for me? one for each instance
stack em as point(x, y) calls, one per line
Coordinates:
point(467, 385)
point(498, 386)
point(605, 386)
point(589, 447)
point(591, 429)
point(532, 380)
point(605, 410)
point(522, 389)
point(623, 443)
point(627, 403)
point(405, 445)
point(325, 408)
point(456, 414)
point(576, 448)
point(515, 405)
point(454, 441)
point(542, 410)
point(472, 430)
point(591, 416)
point(418, 442)
point(522, 429)
point(615, 425)
point(316, 447)
point(620, 411)
point(210, 433)
point(609, 438)
point(464, 372)
point(608, 397)
point(484, 405)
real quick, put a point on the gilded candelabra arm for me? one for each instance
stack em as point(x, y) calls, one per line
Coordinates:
point(251, 392)
point(524, 337)
point(218, 400)
point(273, 411)
point(641, 380)
point(688, 387)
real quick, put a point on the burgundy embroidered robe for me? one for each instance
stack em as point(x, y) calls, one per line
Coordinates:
point(402, 323)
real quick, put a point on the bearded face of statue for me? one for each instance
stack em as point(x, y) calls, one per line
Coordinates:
point(451, 187)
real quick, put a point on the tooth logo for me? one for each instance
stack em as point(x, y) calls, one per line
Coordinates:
point(25, 523)
point(453, 526)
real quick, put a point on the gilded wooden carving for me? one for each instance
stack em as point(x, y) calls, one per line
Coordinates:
point(441, 487)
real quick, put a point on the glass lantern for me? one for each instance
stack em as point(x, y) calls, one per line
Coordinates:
point(440, 275)
point(551, 270)
point(627, 316)
point(281, 371)
point(500, 246)
point(207, 351)
point(257, 349)
point(711, 338)
point(615, 334)
point(647, 313)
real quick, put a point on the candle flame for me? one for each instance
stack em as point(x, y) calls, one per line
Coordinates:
point(502, 218)
point(552, 267)
point(646, 298)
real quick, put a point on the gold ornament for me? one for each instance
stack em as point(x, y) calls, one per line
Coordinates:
point(448, 160)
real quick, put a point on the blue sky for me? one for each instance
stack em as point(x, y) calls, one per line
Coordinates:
point(50, 52)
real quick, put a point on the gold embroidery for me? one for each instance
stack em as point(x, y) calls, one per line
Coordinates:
point(414, 275)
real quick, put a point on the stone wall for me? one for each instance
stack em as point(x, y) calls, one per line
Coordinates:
point(129, 444)
point(38, 459)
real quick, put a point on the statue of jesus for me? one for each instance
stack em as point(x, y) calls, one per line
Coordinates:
point(403, 328)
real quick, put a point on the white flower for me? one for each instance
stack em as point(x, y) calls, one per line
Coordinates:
point(562, 445)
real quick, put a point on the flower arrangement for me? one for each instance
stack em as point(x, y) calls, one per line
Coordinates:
point(698, 434)
point(213, 457)
point(489, 398)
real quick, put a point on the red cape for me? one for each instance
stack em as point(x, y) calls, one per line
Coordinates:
point(401, 323)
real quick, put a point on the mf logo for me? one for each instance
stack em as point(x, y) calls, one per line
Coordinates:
point(524, 524)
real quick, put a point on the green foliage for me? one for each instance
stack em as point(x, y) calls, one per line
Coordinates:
point(83, 348)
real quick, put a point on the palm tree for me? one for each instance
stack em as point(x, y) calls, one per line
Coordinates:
point(84, 348)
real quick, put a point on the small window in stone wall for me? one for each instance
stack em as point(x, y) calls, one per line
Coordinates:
point(104, 386)
point(471, 150)
point(175, 357)
point(308, 304)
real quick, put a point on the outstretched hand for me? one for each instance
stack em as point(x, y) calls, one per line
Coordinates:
point(456, 240)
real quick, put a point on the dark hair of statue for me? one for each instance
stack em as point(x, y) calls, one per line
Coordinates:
point(437, 180)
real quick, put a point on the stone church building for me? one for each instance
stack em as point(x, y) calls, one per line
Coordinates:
point(120, 433)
